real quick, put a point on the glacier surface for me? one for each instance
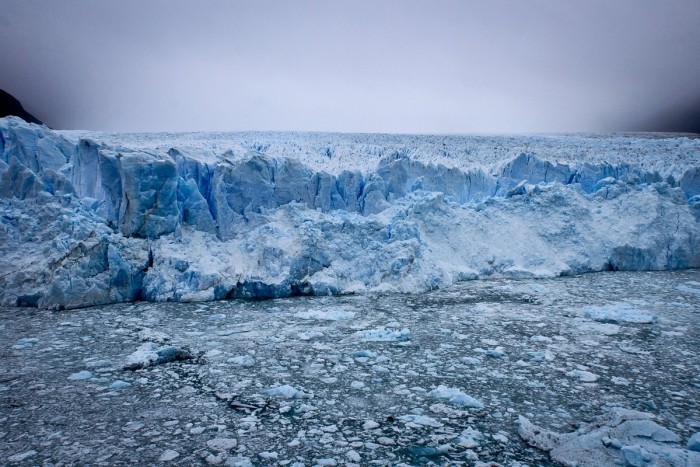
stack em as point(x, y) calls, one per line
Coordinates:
point(94, 218)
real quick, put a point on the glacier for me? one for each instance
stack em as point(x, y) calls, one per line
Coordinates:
point(91, 218)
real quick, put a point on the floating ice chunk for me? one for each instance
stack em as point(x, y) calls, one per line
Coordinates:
point(694, 442)
point(471, 361)
point(364, 354)
point(619, 313)
point(326, 315)
point(98, 364)
point(25, 343)
point(81, 375)
point(242, 360)
point(71, 324)
point(470, 438)
point(456, 396)
point(22, 456)
point(583, 376)
point(636, 456)
point(596, 328)
point(620, 437)
point(370, 425)
point(687, 289)
point(620, 380)
point(222, 444)
point(483, 308)
point(495, 353)
point(539, 338)
point(429, 451)
point(629, 348)
point(169, 455)
point(239, 461)
point(308, 335)
point(151, 354)
point(422, 420)
point(383, 334)
point(119, 384)
point(143, 356)
point(150, 335)
point(286, 392)
point(326, 461)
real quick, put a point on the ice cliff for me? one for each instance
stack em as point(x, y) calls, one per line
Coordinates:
point(95, 218)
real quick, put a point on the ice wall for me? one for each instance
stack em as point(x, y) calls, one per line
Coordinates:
point(88, 222)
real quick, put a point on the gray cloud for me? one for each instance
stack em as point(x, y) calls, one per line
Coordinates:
point(379, 66)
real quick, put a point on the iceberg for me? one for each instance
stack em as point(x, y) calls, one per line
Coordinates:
point(91, 218)
point(620, 437)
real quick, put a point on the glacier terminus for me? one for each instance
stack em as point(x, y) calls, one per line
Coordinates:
point(93, 218)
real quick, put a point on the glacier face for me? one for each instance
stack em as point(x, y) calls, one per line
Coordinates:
point(95, 218)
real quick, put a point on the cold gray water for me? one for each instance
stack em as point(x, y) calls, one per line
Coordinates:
point(438, 378)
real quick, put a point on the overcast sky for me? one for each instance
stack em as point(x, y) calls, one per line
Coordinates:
point(354, 66)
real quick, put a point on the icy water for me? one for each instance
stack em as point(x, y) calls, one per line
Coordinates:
point(373, 380)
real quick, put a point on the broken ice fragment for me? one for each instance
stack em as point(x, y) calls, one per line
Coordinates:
point(456, 396)
point(151, 354)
